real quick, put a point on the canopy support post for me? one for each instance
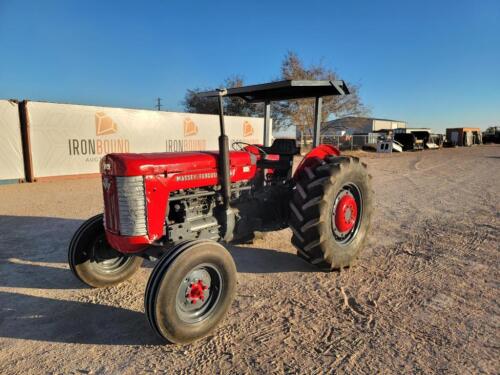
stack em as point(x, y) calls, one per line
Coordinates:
point(268, 131)
point(317, 120)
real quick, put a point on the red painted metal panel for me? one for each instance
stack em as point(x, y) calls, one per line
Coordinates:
point(127, 244)
point(157, 193)
point(167, 162)
point(316, 156)
point(164, 173)
point(111, 214)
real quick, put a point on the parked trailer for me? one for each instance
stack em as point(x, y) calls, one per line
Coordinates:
point(492, 135)
point(409, 141)
point(463, 136)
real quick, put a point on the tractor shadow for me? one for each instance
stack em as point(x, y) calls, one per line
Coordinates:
point(51, 320)
point(33, 255)
point(33, 252)
point(259, 260)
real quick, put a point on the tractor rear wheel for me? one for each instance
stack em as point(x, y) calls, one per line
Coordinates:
point(331, 210)
point(96, 263)
point(190, 290)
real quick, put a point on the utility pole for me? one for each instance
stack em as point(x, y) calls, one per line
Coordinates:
point(158, 104)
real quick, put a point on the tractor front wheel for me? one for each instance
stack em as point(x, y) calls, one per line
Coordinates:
point(331, 211)
point(96, 263)
point(190, 290)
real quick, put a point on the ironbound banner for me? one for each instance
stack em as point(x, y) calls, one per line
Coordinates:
point(11, 151)
point(69, 139)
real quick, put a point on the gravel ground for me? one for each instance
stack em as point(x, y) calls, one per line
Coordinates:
point(423, 298)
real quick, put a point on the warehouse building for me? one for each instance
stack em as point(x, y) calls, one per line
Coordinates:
point(360, 125)
point(413, 130)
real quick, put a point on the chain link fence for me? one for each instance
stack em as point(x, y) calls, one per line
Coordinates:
point(343, 142)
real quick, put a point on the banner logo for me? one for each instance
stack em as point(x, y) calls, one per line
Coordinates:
point(94, 148)
point(247, 129)
point(190, 128)
point(104, 124)
point(191, 144)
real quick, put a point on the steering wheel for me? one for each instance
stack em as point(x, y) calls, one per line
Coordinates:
point(239, 146)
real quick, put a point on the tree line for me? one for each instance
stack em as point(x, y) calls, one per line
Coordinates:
point(293, 112)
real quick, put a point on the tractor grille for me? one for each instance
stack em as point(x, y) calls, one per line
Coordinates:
point(131, 206)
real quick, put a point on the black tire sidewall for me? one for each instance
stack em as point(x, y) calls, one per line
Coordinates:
point(76, 238)
point(167, 321)
point(344, 254)
point(83, 267)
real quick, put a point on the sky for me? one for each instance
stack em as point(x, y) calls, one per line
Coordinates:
point(431, 63)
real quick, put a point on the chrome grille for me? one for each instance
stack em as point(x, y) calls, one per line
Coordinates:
point(131, 206)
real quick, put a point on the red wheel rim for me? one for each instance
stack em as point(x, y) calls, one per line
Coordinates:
point(346, 213)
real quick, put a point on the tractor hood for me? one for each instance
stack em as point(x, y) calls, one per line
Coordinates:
point(169, 162)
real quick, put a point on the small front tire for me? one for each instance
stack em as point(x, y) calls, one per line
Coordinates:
point(93, 261)
point(190, 291)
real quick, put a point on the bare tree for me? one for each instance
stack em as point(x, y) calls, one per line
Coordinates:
point(233, 106)
point(287, 113)
point(301, 112)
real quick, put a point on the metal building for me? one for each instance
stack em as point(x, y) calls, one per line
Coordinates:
point(360, 125)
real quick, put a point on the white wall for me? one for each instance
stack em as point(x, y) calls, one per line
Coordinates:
point(71, 139)
point(387, 124)
point(11, 152)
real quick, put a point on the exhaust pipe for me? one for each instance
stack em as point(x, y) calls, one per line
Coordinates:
point(225, 178)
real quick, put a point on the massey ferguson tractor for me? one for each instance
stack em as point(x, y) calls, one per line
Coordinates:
point(182, 207)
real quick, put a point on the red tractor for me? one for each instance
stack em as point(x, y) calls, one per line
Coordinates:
point(181, 207)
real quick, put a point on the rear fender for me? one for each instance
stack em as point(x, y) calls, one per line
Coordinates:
point(315, 157)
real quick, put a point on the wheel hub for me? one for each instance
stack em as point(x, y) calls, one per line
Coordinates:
point(346, 213)
point(196, 292)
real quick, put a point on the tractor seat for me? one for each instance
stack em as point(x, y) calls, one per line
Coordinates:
point(281, 164)
point(283, 151)
point(283, 147)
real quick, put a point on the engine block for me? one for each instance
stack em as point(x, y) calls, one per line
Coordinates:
point(191, 216)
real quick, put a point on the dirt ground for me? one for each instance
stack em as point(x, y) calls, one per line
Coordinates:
point(423, 298)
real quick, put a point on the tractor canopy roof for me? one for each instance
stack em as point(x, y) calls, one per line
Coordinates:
point(282, 90)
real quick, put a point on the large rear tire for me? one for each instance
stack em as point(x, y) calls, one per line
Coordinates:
point(190, 291)
point(331, 211)
point(93, 261)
